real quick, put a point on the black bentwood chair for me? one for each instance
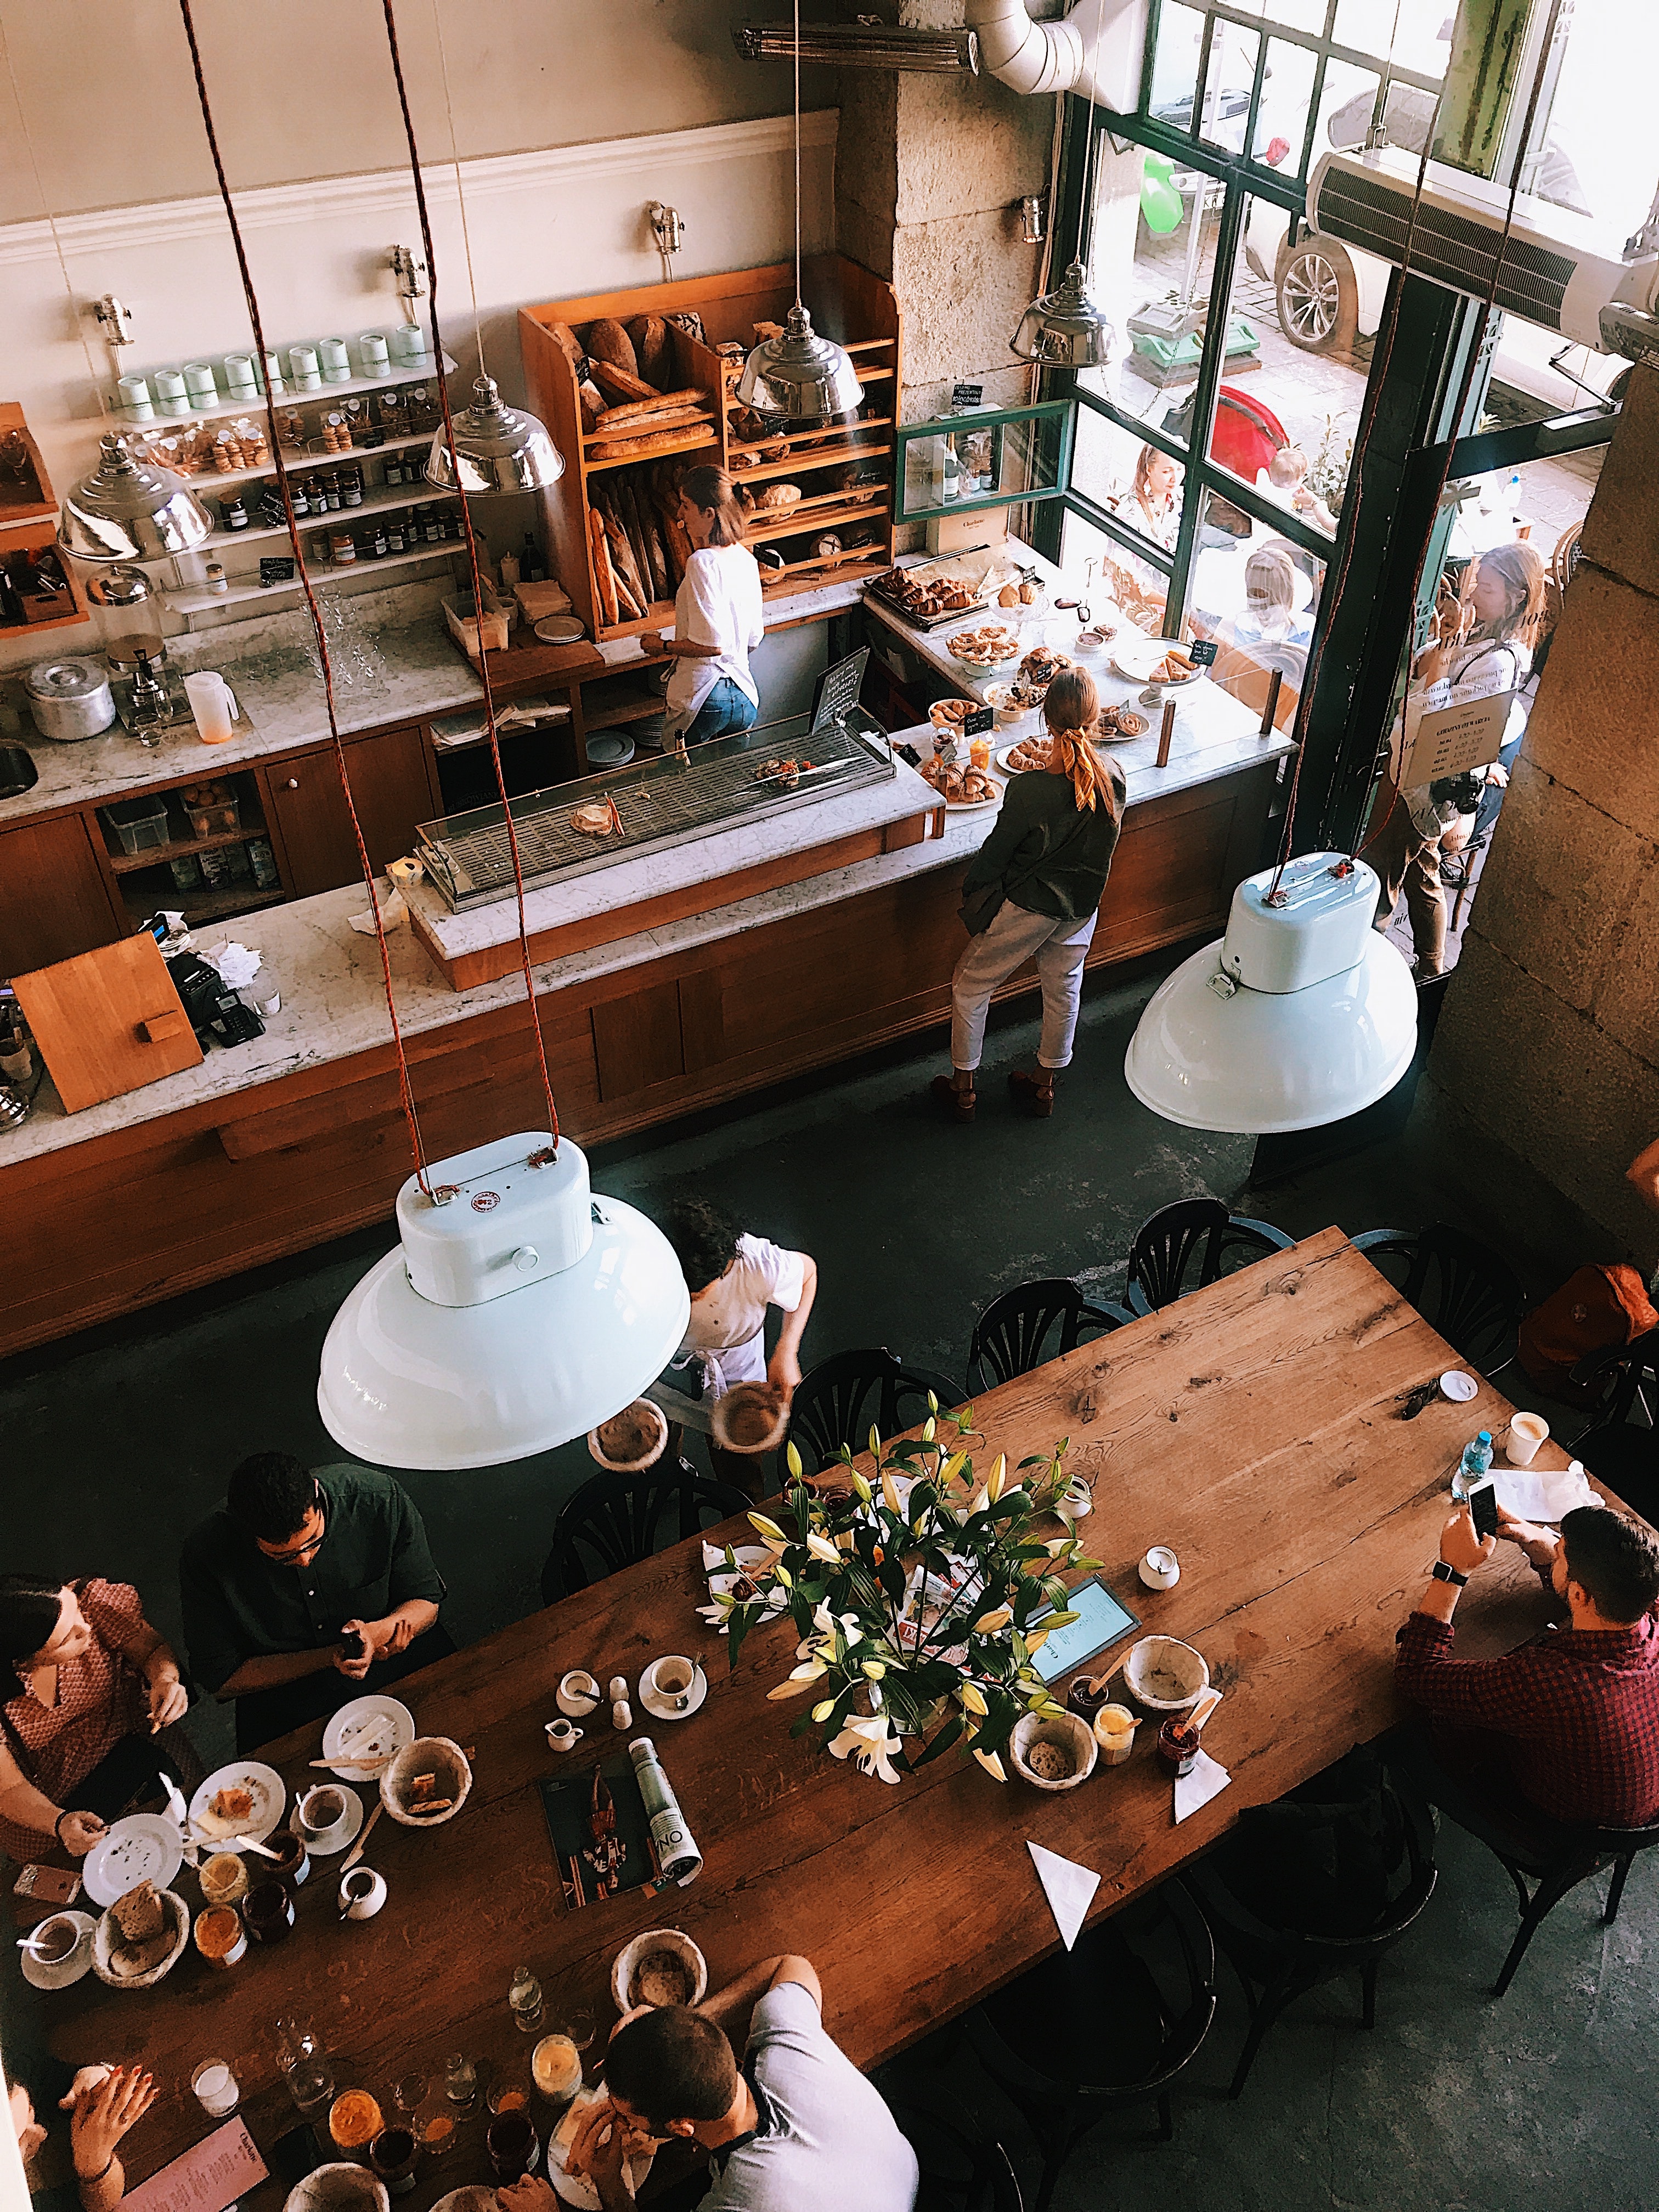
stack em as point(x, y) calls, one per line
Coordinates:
point(1621, 1444)
point(1459, 1285)
point(1010, 1337)
point(841, 1400)
point(612, 1521)
point(1113, 2021)
point(1379, 1850)
point(1166, 1245)
point(1545, 1869)
point(963, 2166)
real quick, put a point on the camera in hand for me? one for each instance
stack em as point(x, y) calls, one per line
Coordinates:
point(1465, 792)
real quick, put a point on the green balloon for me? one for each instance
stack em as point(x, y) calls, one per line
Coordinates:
point(1160, 203)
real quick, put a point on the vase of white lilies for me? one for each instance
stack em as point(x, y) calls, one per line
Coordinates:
point(920, 1598)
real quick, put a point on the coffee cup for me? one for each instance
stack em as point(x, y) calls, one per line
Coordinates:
point(1160, 1569)
point(1527, 1433)
point(579, 1693)
point(56, 1940)
point(672, 1679)
point(362, 1892)
point(322, 1810)
point(562, 1735)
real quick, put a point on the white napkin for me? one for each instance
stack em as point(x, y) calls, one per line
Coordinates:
point(394, 914)
point(1070, 1890)
point(1205, 1781)
point(1543, 1493)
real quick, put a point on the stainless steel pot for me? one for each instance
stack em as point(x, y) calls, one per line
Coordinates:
point(69, 697)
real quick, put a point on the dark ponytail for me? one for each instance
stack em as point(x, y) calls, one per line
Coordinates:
point(29, 1606)
point(713, 491)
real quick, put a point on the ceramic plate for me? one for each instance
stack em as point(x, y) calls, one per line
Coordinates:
point(40, 1976)
point(144, 1847)
point(972, 805)
point(371, 1728)
point(555, 629)
point(348, 1832)
point(1001, 760)
point(572, 2189)
point(269, 1791)
point(658, 1705)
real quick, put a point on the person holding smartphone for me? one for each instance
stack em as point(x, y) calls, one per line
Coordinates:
point(1567, 1725)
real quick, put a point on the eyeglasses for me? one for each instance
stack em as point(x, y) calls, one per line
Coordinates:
point(295, 1555)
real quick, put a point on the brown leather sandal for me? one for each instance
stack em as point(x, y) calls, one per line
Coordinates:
point(1033, 1094)
point(959, 1105)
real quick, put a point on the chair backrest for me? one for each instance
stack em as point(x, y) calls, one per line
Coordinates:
point(964, 2166)
point(613, 1520)
point(1166, 1244)
point(1459, 1287)
point(1010, 1337)
point(839, 1402)
point(1630, 1376)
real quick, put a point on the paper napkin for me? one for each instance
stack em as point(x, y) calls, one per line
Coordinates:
point(1205, 1781)
point(1070, 1889)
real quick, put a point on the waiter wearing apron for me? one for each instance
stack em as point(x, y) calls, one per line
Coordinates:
point(718, 618)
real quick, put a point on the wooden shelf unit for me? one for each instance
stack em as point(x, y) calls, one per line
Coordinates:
point(846, 302)
point(27, 537)
point(36, 502)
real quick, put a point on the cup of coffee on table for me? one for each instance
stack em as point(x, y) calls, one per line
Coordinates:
point(55, 1938)
point(1527, 1433)
point(321, 1811)
point(672, 1678)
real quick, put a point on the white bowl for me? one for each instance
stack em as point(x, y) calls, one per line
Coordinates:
point(1072, 1736)
point(1164, 1674)
point(658, 1939)
point(341, 2186)
point(105, 1931)
point(427, 1755)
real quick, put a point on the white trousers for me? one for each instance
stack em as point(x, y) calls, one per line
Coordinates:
point(1012, 938)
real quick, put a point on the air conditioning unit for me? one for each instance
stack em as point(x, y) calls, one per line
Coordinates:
point(1558, 270)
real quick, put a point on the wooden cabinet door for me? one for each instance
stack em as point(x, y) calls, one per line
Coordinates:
point(54, 897)
point(307, 808)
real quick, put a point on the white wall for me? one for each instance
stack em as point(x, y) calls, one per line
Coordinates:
point(543, 225)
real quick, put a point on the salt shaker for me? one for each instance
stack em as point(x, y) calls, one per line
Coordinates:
point(621, 1714)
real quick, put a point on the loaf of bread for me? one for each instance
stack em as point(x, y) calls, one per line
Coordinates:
point(593, 404)
point(653, 350)
point(775, 496)
point(139, 1915)
point(685, 400)
point(643, 449)
point(571, 346)
point(619, 383)
point(604, 583)
point(609, 342)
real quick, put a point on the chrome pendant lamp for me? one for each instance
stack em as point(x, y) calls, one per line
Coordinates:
point(497, 448)
point(1302, 1014)
point(131, 510)
point(1065, 328)
point(518, 1310)
point(801, 376)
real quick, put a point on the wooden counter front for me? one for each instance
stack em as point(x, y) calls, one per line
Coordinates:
point(122, 1220)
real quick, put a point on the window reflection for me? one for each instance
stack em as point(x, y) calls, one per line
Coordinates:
point(1256, 594)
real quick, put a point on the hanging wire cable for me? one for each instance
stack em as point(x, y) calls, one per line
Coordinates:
point(455, 159)
point(1369, 418)
point(798, 300)
point(471, 539)
point(404, 1086)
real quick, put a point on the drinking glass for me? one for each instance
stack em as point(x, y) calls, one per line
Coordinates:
point(507, 2093)
point(512, 2144)
point(305, 2065)
point(410, 2093)
point(435, 2125)
point(460, 2082)
point(577, 2022)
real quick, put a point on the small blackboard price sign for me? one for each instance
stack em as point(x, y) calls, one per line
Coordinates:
point(1201, 652)
point(276, 569)
point(977, 723)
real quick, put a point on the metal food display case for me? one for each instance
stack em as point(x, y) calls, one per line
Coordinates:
point(665, 800)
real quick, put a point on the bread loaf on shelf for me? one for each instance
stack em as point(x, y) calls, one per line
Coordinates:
point(609, 345)
point(653, 350)
point(616, 381)
point(645, 448)
point(604, 583)
point(777, 496)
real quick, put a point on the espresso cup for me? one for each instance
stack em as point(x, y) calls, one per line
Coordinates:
point(1527, 1433)
point(672, 1678)
point(1160, 1569)
point(562, 1735)
point(579, 1693)
point(322, 1810)
point(362, 1892)
point(55, 1940)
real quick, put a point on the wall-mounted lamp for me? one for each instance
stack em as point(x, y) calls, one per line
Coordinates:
point(668, 226)
point(410, 272)
point(1031, 224)
point(114, 319)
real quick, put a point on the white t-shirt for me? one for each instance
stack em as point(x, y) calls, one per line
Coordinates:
point(719, 604)
point(728, 1327)
point(826, 2141)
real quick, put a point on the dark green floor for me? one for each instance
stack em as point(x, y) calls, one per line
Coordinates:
point(115, 1445)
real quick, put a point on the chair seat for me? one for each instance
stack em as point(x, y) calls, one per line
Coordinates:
point(1053, 2016)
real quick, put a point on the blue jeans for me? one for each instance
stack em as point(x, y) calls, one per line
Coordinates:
point(727, 710)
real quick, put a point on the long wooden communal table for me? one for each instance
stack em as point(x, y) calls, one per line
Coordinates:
point(1253, 1426)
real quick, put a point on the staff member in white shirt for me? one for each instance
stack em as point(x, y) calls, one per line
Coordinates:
point(718, 617)
point(725, 1340)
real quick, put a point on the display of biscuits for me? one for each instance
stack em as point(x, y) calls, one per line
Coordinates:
point(988, 646)
point(939, 595)
point(950, 713)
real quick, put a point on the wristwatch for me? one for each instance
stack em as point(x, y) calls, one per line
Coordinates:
point(1442, 1573)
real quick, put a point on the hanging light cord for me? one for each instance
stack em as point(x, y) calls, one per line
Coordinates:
point(404, 1086)
point(1084, 195)
point(798, 153)
point(472, 562)
point(455, 158)
point(1368, 423)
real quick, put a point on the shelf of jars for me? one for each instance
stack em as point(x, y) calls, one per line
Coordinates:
point(216, 391)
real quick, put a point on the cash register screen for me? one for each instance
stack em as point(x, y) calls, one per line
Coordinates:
point(1100, 1620)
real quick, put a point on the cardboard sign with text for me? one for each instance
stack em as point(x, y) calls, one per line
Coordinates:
point(1445, 740)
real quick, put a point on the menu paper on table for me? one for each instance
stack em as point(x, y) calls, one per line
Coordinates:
point(208, 2177)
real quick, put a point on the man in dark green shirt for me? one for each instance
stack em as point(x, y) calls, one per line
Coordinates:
point(306, 1589)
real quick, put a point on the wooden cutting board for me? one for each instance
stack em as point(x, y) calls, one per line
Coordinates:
point(108, 1022)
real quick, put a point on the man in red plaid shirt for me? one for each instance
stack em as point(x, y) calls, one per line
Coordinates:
point(1569, 1724)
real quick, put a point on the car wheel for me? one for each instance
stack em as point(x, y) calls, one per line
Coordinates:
point(1317, 295)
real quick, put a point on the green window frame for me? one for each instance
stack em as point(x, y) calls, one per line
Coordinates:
point(1059, 413)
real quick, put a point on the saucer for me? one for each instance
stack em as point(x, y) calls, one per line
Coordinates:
point(40, 1976)
point(324, 1847)
point(658, 1705)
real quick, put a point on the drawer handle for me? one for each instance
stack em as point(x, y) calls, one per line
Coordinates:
point(293, 783)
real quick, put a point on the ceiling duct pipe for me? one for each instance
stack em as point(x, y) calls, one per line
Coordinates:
point(1064, 57)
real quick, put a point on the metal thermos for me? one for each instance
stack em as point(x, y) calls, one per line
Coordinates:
point(70, 698)
point(676, 1847)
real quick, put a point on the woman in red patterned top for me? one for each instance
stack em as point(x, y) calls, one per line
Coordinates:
point(95, 1686)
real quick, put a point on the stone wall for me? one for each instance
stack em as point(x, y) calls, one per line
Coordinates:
point(1544, 1079)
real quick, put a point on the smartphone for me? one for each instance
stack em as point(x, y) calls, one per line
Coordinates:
point(52, 1885)
point(296, 2154)
point(1483, 1508)
point(354, 1646)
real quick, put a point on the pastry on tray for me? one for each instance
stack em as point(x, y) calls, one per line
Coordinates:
point(593, 818)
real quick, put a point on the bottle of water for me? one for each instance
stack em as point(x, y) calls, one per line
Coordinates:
point(1474, 1466)
point(525, 1998)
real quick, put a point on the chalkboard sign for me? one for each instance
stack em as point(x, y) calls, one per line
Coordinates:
point(276, 569)
point(964, 397)
point(976, 724)
point(838, 687)
point(1201, 652)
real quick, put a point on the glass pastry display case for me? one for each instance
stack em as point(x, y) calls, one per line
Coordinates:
point(573, 828)
point(987, 456)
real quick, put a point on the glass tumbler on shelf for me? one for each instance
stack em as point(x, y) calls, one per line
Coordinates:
point(306, 2067)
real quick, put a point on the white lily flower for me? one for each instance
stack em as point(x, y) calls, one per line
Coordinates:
point(889, 1491)
point(973, 1698)
point(769, 1529)
point(1035, 1638)
point(869, 1741)
point(792, 1461)
point(821, 1547)
point(994, 1488)
point(991, 1762)
point(988, 1623)
point(800, 1679)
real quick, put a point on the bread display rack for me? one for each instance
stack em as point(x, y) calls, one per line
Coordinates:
point(633, 397)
